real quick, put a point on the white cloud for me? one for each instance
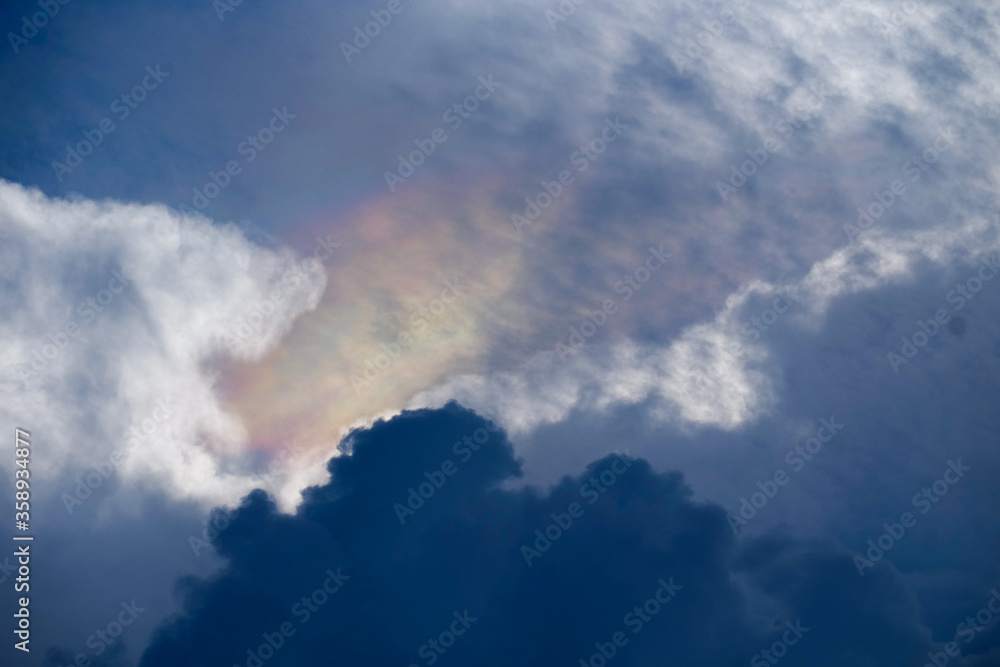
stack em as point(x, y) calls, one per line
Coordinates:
point(110, 309)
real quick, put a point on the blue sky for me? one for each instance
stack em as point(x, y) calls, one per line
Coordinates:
point(264, 265)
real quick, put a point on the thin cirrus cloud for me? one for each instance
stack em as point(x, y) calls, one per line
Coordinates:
point(713, 374)
point(689, 124)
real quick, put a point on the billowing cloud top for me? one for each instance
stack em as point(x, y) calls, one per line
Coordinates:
point(411, 554)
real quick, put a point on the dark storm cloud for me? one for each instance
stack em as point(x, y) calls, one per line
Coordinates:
point(394, 580)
